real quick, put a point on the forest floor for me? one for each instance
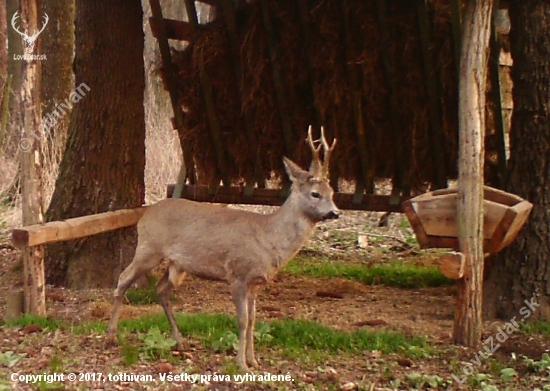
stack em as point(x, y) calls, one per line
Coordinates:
point(322, 324)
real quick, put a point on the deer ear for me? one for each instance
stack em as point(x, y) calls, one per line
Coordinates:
point(295, 173)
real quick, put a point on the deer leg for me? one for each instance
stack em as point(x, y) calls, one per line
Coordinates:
point(164, 289)
point(239, 292)
point(250, 359)
point(143, 262)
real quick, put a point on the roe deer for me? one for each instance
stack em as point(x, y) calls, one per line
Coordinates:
point(243, 248)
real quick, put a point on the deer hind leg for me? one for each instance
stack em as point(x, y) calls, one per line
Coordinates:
point(253, 287)
point(172, 278)
point(143, 261)
point(239, 293)
point(250, 359)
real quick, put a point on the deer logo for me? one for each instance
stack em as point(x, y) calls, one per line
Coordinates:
point(29, 40)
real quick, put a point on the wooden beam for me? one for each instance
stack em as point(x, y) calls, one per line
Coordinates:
point(468, 325)
point(208, 96)
point(169, 79)
point(496, 97)
point(228, 10)
point(274, 197)
point(175, 29)
point(278, 80)
point(431, 77)
point(78, 227)
point(366, 183)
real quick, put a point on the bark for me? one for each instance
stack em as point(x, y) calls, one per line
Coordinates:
point(57, 43)
point(3, 42)
point(521, 271)
point(104, 161)
point(15, 46)
point(31, 171)
point(473, 76)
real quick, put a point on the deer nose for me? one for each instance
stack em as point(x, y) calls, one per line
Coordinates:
point(332, 215)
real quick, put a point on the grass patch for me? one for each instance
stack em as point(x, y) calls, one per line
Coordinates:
point(538, 327)
point(288, 334)
point(147, 296)
point(395, 275)
point(33, 320)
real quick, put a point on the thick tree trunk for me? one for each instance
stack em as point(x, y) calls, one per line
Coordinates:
point(104, 161)
point(473, 78)
point(522, 271)
point(57, 44)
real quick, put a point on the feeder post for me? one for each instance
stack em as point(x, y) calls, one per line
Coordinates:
point(471, 108)
point(31, 167)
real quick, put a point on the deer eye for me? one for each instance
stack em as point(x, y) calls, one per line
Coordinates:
point(314, 194)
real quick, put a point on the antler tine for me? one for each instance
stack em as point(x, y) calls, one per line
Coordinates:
point(13, 19)
point(327, 151)
point(316, 167)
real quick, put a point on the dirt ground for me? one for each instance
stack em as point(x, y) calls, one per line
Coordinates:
point(427, 313)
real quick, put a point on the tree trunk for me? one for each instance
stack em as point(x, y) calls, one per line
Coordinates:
point(57, 44)
point(31, 171)
point(473, 79)
point(3, 42)
point(104, 161)
point(522, 270)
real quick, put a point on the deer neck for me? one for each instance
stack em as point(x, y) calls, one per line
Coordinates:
point(288, 230)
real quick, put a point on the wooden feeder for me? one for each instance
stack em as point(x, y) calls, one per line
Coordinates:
point(433, 217)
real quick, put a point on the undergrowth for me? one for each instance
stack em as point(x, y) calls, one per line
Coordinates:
point(394, 274)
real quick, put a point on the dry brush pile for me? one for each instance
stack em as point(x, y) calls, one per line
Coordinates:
point(317, 86)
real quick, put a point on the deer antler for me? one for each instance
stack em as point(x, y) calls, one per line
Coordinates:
point(13, 19)
point(327, 151)
point(318, 167)
point(35, 35)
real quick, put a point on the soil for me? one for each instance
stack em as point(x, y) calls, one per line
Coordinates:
point(337, 303)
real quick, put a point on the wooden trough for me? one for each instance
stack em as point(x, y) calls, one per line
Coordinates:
point(433, 217)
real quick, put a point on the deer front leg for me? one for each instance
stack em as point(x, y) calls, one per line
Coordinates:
point(239, 292)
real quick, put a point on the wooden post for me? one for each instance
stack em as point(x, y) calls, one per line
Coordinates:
point(473, 77)
point(31, 169)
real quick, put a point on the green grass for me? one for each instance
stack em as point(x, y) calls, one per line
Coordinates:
point(288, 334)
point(291, 336)
point(147, 296)
point(33, 320)
point(538, 327)
point(396, 275)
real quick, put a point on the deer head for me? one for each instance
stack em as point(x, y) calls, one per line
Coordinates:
point(29, 39)
point(312, 189)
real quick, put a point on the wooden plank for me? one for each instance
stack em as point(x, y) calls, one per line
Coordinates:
point(434, 101)
point(175, 29)
point(168, 76)
point(79, 227)
point(208, 95)
point(522, 211)
point(274, 197)
point(439, 216)
point(423, 239)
